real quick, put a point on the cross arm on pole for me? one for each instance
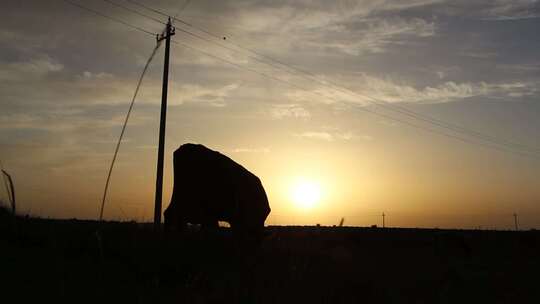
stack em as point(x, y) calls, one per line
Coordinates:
point(169, 31)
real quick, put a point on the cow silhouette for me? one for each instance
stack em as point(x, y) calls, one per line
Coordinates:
point(210, 187)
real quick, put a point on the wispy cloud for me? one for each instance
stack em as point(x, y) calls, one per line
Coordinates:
point(330, 136)
point(68, 120)
point(532, 67)
point(376, 90)
point(317, 135)
point(405, 5)
point(375, 35)
point(349, 27)
point(280, 111)
point(100, 75)
point(31, 69)
point(250, 150)
point(205, 95)
point(479, 54)
point(443, 72)
point(492, 10)
point(502, 10)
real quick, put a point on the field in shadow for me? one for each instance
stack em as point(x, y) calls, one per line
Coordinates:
point(64, 261)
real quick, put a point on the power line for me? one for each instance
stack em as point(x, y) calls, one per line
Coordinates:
point(379, 102)
point(185, 45)
point(117, 148)
point(312, 77)
point(162, 13)
point(382, 103)
point(134, 11)
point(184, 6)
point(148, 8)
point(124, 128)
point(241, 67)
point(109, 17)
point(467, 140)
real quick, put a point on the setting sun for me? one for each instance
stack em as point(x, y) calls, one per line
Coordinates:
point(305, 194)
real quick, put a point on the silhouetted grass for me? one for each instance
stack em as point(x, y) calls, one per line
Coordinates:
point(60, 260)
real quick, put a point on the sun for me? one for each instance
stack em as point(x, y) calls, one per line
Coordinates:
point(306, 194)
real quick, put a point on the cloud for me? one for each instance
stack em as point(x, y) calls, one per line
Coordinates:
point(193, 93)
point(389, 123)
point(491, 10)
point(443, 72)
point(326, 95)
point(250, 150)
point(376, 90)
point(317, 135)
point(319, 14)
point(31, 69)
point(345, 136)
point(532, 67)
point(479, 54)
point(389, 91)
point(281, 111)
point(53, 85)
point(69, 120)
point(349, 27)
point(405, 5)
point(375, 35)
point(502, 10)
point(327, 136)
point(101, 75)
point(367, 137)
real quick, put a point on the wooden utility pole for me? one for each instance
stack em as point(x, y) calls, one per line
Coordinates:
point(169, 31)
point(516, 221)
point(383, 215)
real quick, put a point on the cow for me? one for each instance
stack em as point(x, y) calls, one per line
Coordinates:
point(210, 187)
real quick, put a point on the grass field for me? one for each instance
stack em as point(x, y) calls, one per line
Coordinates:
point(63, 261)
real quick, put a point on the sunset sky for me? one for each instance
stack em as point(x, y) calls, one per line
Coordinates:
point(67, 77)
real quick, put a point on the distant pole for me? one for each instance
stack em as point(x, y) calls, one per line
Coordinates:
point(383, 220)
point(169, 31)
point(516, 221)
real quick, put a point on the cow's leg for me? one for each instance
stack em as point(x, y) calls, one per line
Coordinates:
point(210, 224)
point(174, 222)
point(248, 235)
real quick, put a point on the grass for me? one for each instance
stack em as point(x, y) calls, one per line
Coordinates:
point(61, 260)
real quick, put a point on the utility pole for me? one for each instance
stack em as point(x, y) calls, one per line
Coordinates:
point(516, 221)
point(383, 219)
point(166, 35)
